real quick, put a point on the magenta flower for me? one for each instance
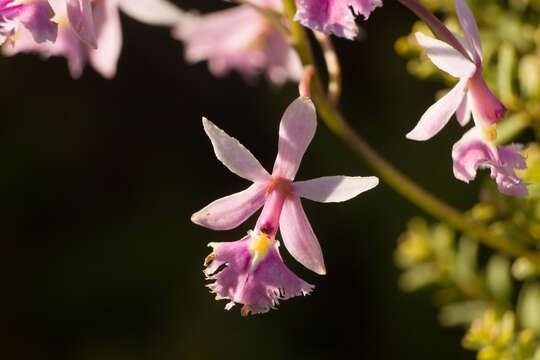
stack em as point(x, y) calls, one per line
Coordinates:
point(240, 39)
point(255, 275)
point(470, 94)
point(78, 43)
point(35, 15)
point(336, 17)
point(472, 152)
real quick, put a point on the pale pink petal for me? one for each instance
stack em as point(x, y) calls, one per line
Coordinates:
point(298, 236)
point(153, 12)
point(230, 211)
point(336, 17)
point(81, 19)
point(446, 57)
point(463, 112)
point(282, 61)
point(468, 24)
point(334, 188)
point(296, 131)
point(438, 114)
point(471, 152)
point(239, 39)
point(468, 153)
point(109, 35)
point(259, 289)
point(234, 155)
point(226, 39)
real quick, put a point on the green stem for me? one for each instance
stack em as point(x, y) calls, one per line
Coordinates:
point(391, 175)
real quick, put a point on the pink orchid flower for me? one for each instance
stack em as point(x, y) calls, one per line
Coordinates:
point(241, 39)
point(35, 15)
point(471, 153)
point(75, 41)
point(336, 17)
point(471, 93)
point(255, 274)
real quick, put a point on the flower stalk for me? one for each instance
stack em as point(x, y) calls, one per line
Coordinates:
point(332, 66)
point(390, 174)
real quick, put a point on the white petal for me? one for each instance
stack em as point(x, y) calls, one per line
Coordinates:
point(153, 12)
point(298, 236)
point(334, 188)
point(438, 114)
point(446, 57)
point(234, 155)
point(230, 211)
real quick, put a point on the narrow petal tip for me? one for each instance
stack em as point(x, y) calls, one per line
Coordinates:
point(234, 155)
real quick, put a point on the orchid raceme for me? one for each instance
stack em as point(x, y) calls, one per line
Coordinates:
point(77, 45)
point(471, 152)
point(470, 94)
point(35, 15)
point(336, 17)
point(282, 209)
point(241, 39)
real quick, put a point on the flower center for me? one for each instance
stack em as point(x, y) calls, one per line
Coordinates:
point(260, 244)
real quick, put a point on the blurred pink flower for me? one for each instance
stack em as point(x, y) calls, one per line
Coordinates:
point(336, 17)
point(282, 209)
point(241, 39)
point(98, 26)
point(472, 152)
point(470, 94)
point(35, 15)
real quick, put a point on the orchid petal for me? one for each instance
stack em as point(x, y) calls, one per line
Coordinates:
point(234, 155)
point(230, 211)
point(296, 131)
point(487, 109)
point(334, 188)
point(298, 236)
point(109, 33)
point(472, 152)
point(438, 114)
point(36, 17)
point(259, 289)
point(153, 12)
point(336, 17)
point(468, 24)
point(81, 19)
point(445, 57)
point(463, 112)
point(467, 153)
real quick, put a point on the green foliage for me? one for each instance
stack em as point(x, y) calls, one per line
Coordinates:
point(475, 290)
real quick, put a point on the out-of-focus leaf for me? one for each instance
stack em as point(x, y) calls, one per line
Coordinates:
point(462, 313)
point(529, 307)
point(498, 277)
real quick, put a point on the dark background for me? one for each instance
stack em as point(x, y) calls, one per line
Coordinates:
point(99, 179)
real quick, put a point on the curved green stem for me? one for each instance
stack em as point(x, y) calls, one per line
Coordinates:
point(391, 175)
